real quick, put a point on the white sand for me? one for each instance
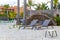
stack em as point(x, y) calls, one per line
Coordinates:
point(26, 34)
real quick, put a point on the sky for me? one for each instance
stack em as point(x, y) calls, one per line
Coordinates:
point(14, 2)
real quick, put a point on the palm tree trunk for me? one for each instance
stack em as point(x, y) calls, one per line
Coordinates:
point(18, 12)
point(7, 15)
point(57, 10)
point(30, 10)
point(52, 14)
point(24, 14)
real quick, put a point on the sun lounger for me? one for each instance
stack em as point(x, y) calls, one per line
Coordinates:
point(45, 23)
point(32, 24)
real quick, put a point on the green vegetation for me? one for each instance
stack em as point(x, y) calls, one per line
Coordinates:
point(11, 15)
point(57, 19)
point(30, 3)
point(2, 15)
point(42, 6)
point(55, 3)
point(21, 14)
point(58, 6)
point(38, 7)
point(6, 6)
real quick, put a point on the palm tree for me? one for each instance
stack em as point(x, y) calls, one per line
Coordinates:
point(42, 6)
point(24, 17)
point(6, 6)
point(18, 11)
point(58, 6)
point(30, 3)
point(38, 7)
point(55, 3)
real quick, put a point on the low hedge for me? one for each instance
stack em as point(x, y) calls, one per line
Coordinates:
point(3, 15)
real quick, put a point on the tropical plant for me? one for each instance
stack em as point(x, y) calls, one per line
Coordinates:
point(58, 6)
point(42, 6)
point(38, 6)
point(6, 6)
point(11, 15)
point(57, 19)
point(55, 2)
point(21, 14)
point(30, 4)
point(3, 15)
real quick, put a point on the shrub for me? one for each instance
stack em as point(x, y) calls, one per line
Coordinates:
point(21, 14)
point(57, 19)
point(3, 15)
point(11, 15)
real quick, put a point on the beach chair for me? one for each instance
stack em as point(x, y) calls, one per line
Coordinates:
point(32, 24)
point(45, 23)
